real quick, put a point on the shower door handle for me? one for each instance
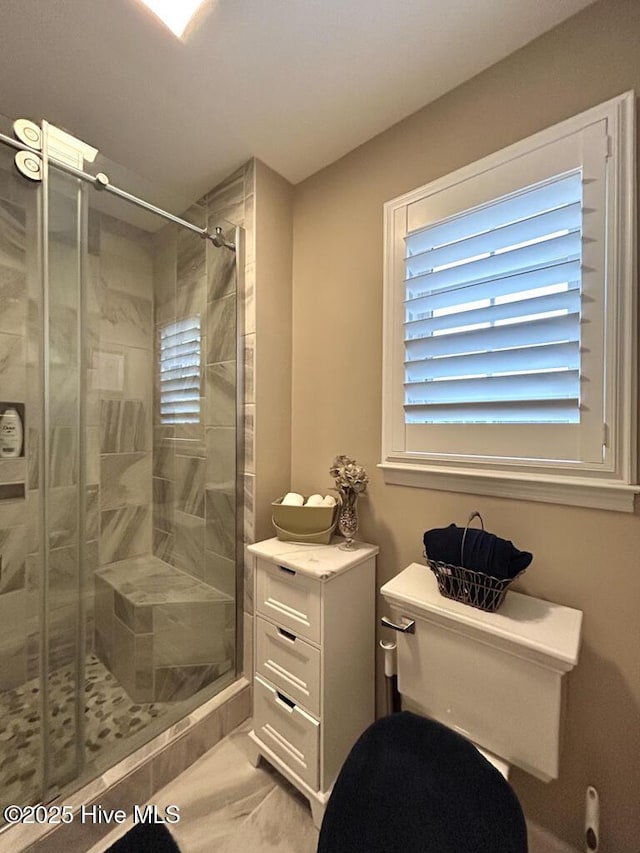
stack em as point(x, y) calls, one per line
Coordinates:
point(408, 625)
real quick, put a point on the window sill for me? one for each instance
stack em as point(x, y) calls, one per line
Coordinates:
point(568, 491)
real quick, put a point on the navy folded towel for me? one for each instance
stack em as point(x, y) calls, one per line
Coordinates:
point(483, 552)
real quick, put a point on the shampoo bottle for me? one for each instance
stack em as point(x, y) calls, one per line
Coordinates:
point(10, 434)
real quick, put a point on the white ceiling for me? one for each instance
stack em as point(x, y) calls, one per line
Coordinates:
point(297, 83)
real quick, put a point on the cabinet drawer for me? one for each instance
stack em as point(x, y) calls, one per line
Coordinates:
point(289, 598)
point(291, 733)
point(289, 663)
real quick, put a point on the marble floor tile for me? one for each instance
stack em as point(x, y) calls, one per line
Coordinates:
point(280, 824)
point(229, 806)
point(215, 795)
point(111, 720)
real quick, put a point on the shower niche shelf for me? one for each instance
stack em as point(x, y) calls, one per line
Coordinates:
point(12, 491)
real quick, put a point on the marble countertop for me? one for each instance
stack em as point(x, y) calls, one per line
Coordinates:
point(322, 562)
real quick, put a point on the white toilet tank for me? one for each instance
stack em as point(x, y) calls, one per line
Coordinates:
point(494, 677)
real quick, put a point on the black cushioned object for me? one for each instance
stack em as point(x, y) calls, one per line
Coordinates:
point(146, 838)
point(411, 785)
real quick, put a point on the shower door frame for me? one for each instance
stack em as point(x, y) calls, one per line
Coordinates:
point(100, 182)
point(81, 223)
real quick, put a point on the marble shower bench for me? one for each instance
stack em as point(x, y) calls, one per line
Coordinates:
point(163, 633)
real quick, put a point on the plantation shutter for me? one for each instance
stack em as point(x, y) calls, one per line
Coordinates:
point(180, 372)
point(492, 310)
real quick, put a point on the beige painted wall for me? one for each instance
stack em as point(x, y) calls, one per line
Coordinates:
point(583, 558)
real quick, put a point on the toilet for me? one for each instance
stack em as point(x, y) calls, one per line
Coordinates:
point(496, 678)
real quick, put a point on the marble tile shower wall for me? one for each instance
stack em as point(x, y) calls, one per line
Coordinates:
point(18, 606)
point(194, 465)
point(118, 447)
point(119, 401)
point(120, 389)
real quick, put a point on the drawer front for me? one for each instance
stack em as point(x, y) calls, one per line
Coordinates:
point(291, 733)
point(289, 663)
point(289, 598)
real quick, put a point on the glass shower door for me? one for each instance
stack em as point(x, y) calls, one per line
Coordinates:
point(21, 753)
point(141, 598)
point(69, 549)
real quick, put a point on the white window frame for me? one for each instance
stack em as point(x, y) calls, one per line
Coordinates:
point(611, 483)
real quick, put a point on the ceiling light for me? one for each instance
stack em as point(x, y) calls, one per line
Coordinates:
point(175, 14)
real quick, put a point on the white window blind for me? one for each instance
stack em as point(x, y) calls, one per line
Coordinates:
point(492, 311)
point(179, 348)
point(509, 350)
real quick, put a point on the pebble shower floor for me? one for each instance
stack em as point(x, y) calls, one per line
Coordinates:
point(110, 718)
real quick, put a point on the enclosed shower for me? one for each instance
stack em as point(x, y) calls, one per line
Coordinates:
point(119, 520)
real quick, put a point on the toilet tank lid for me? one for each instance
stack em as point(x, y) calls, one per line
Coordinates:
point(537, 628)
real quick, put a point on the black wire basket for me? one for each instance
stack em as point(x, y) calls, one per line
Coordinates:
point(473, 588)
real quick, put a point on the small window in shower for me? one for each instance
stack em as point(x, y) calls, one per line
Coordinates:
point(180, 345)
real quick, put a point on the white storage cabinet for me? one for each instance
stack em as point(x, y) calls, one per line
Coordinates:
point(314, 659)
